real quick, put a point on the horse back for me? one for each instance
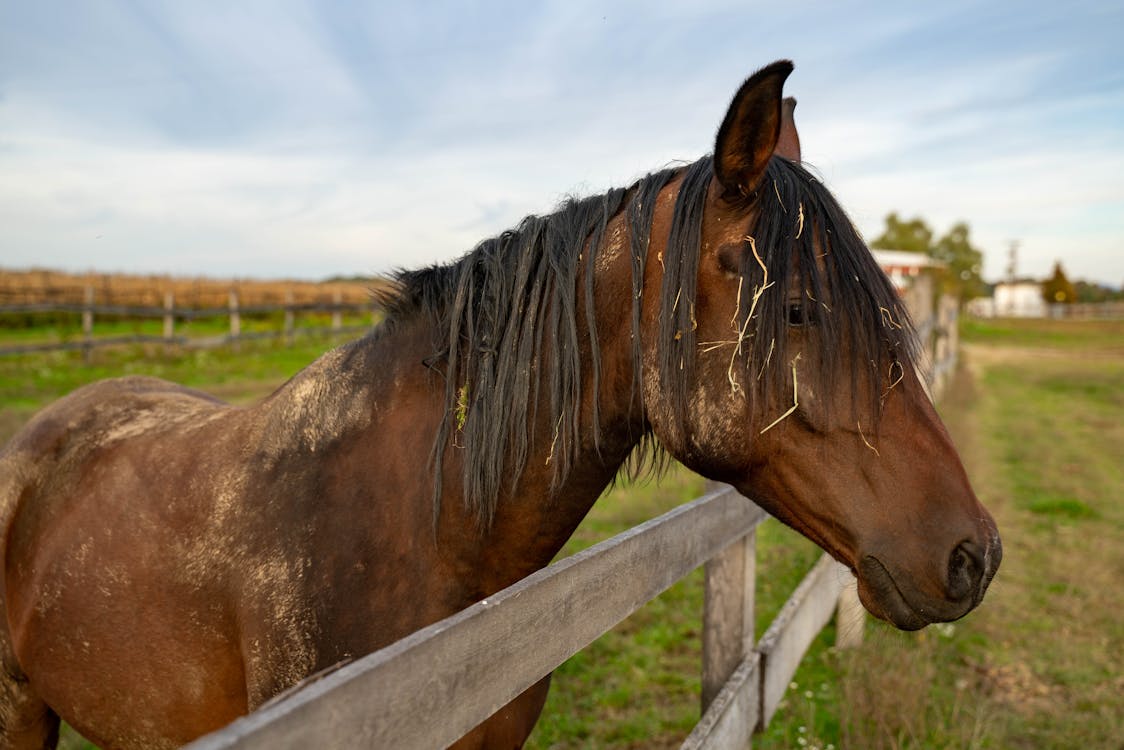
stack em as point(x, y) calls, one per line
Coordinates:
point(60, 439)
point(85, 520)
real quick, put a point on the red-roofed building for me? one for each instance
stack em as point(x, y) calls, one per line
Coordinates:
point(903, 267)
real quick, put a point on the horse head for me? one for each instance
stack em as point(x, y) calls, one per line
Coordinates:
point(781, 360)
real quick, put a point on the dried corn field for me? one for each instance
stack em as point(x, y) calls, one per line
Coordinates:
point(36, 286)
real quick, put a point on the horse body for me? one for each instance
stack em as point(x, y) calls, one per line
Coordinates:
point(171, 562)
point(244, 576)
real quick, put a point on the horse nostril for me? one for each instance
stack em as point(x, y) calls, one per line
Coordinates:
point(965, 571)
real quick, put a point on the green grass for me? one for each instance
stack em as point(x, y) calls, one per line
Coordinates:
point(1051, 435)
point(59, 328)
point(1064, 335)
point(30, 381)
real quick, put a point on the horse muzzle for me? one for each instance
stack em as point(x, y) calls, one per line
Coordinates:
point(892, 595)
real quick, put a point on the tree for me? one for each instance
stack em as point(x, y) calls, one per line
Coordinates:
point(913, 236)
point(963, 263)
point(1091, 291)
point(1058, 289)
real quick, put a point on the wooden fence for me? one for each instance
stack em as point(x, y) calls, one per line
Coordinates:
point(464, 668)
point(170, 314)
point(430, 688)
point(938, 335)
point(1087, 311)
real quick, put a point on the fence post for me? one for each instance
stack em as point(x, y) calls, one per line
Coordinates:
point(169, 317)
point(88, 324)
point(728, 614)
point(850, 617)
point(235, 320)
point(289, 317)
point(337, 314)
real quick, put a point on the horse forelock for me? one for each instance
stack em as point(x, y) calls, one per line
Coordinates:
point(806, 241)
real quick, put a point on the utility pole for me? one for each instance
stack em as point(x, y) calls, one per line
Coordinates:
point(1012, 260)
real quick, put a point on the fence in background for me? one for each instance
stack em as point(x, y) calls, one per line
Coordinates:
point(170, 314)
point(939, 339)
point(1087, 311)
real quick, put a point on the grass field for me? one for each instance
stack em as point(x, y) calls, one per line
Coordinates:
point(1038, 414)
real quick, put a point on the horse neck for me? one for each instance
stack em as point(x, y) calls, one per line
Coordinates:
point(378, 402)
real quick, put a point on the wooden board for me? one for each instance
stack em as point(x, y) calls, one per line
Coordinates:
point(727, 614)
point(431, 687)
point(733, 714)
point(795, 627)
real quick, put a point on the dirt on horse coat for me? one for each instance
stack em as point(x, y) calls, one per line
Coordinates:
point(171, 562)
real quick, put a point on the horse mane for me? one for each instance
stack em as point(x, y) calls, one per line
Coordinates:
point(492, 310)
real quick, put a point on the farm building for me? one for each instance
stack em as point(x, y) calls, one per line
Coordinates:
point(1021, 298)
point(903, 267)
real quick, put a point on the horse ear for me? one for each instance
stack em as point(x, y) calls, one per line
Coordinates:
point(748, 136)
point(788, 143)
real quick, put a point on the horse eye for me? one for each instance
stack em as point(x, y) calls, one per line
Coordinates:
point(798, 315)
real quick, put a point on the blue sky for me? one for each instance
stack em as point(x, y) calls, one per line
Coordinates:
point(307, 139)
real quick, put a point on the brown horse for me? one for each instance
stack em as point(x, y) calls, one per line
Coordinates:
point(171, 562)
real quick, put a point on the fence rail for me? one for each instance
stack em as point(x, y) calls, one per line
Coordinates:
point(469, 665)
point(180, 313)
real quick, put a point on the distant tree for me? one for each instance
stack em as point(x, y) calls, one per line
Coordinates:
point(912, 236)
point(1089, 291)
point(963, 263)
point(1058, 289)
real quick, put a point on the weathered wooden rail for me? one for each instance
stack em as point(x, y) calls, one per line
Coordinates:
point(465, 667)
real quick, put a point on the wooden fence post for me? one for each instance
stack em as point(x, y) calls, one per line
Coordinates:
point(850, 617)
point(88, 324)
point(728, 614)
point(289, 318)
point(235, 319)
point(169, 317)
point(337, 314)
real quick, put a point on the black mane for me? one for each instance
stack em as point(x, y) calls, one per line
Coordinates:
point(493, 309)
